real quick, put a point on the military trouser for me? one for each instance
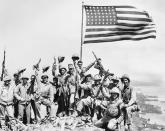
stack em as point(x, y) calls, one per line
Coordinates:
point(128, 113)
point(84, 102)
point(46, 107)
point(27, 108)
point(5, 110)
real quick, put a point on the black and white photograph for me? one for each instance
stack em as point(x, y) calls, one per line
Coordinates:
point(82, 65)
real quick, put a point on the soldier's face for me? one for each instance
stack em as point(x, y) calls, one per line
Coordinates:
point(71, 70)
point(97, 82)
point(45, 80)
point(114, 96)
point(79, 65)
point(7, 83)
point(24, 81)
point(88, 79)
point(63, 71)
point(126, 82)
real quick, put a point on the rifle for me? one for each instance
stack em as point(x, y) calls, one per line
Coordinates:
point(3, 65)
point(54, 67)
point(103, 80)
point(30, 91)
point(101, 68)
point(37, 65)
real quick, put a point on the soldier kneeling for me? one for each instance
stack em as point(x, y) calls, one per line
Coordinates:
point(113, 114)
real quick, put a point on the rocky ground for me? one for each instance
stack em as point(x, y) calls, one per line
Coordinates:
point(84, 124)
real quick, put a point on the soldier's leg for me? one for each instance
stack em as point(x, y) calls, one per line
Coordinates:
point(129, 111)
point(43, 111)
point(2, 117)
point(10, 111)
point(21, 108)
point(53, 109)
point(28, 113)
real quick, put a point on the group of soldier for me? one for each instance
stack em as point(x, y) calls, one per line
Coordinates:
point(106, 99)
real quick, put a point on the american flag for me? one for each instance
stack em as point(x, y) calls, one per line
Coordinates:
point(116, 23)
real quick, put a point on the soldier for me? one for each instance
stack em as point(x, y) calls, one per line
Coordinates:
point(72, 85)
point(6, 101)
point(129, 99)
point(113, 114)
point(24, 98)
point(86, 99)
point(61, 100)
point(97, 96)
point(46, 96)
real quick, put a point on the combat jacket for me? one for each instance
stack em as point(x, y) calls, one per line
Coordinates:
point(114, 108)
point(46, 91)
point(95, 90)
point(128, 96)
point(87, 89)
point(6, 94)
point(20, 92)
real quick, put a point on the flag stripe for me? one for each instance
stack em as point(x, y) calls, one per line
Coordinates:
point(133, 25)
point(116, 29)
point(135, 19)
point(131, 12)
point(125, 7)
point(119, 33)
point(118, 39)
point(120, 36)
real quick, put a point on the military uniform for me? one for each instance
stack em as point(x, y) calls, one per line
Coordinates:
point(86, 99)
point(6, 101)
point(24, 101)
point(129, 99)
point(46, 97)
point(113, 114)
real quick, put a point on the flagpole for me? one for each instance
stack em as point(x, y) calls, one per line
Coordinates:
point(82, 31)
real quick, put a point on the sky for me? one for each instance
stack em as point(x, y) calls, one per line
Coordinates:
point(35, 29)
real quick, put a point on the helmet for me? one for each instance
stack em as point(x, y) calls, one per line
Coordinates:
point(7, 78)
point(24, 77)
point(61, 67)
point(44, 75)
point(115, 79)
point(97, 77)
point(125, 76)
point(115, 90)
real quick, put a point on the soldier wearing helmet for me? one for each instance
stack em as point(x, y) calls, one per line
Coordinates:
point(97, 97)
point(45, 94)
point(113, 113)
point(24, 98)
point(6, 100)
point(129, 99)
point(86, 99)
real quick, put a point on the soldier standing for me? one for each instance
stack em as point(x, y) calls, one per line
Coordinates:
point(46, 96)
point(6, 101)
point(24, 98)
